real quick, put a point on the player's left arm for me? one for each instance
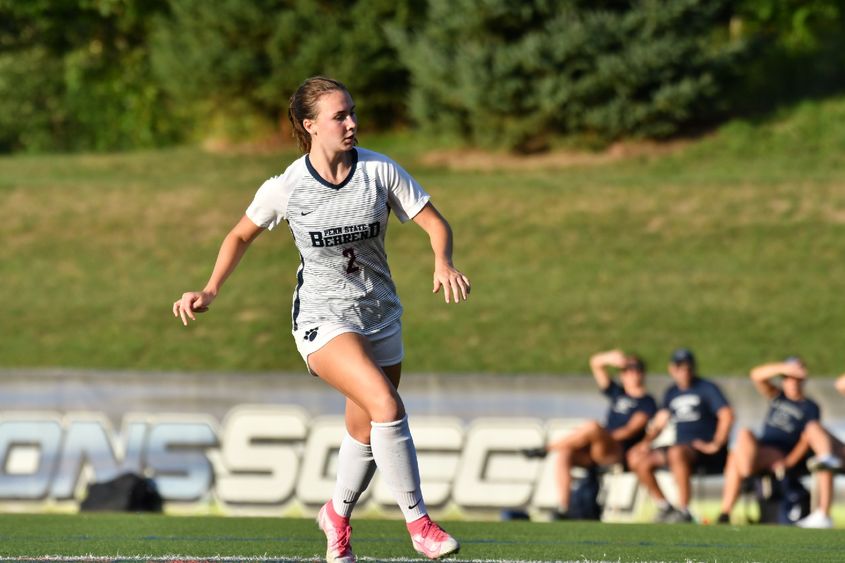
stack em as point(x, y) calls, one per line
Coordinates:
point(454, 283)
point(636, 424)
point(798, 453)
point(724, 422)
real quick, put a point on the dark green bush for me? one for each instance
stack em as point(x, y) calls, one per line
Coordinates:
point(513, 73)
point(237, 58)
point(75, 75)
point(797, 51)
point(120, 74)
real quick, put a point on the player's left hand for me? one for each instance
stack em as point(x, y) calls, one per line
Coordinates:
point(705, 447)
point(455, 284)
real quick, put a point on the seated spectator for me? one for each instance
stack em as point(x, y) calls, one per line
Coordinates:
point(702, 419)
point(829, 453)
point(780, 447)
point(593, 444)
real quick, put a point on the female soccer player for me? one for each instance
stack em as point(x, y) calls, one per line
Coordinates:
point(336, 200)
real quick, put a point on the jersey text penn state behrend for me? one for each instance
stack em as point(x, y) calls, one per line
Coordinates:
point(339, 230)
point(344, 235)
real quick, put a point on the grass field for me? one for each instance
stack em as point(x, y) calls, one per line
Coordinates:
point(732, 245)
point(161, 538)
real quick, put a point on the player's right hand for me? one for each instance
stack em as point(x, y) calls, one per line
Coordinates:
point(190, 303)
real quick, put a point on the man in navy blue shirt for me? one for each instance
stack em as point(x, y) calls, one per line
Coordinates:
point(780, 447)
point(702, 418)
point(592, 444)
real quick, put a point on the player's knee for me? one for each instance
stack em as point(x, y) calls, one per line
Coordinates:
point(385, 407)
point(593, 428)
point(745, 437)
point(642, 463)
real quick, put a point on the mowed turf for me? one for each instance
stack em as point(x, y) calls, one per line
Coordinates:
point(135, 537)
point(731, 245)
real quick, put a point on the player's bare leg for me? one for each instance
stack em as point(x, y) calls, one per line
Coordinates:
point(347, 365)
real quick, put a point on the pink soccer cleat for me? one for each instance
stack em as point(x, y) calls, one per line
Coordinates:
point(430, 539)
point(338, 535)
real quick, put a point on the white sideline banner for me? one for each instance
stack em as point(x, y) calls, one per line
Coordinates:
point(266, 444)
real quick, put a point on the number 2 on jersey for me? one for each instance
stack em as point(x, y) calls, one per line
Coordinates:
point(351, 266)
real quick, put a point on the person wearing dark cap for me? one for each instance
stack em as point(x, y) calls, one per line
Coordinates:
point(702, 418)
point(592, 443)
point(780, 448)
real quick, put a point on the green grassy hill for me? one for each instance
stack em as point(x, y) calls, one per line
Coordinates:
point(732, 245)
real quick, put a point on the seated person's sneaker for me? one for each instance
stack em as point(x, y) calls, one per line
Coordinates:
point(430, 539)
point(671, 515)
point(664, 513)
point(338, 535)
point(827, 462)
point(534, 452)
point(680, 517)
point(559, 514)
point(816, 519)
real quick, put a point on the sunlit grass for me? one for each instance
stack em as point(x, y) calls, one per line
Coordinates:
point(732, 245)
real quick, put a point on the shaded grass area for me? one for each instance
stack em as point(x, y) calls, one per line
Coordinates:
point(197, 537)
point(731, 246)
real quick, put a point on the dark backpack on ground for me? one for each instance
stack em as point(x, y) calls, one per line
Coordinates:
point(128, 492)
point(584, 501)
point(784, 501)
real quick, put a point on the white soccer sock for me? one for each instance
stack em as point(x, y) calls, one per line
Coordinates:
point(396, 458)
point(355, 469)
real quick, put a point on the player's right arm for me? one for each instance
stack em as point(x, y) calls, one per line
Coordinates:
point(762, 375)
point(601, 361)
point(636, 424)
point(658, 423)
point(231, 251)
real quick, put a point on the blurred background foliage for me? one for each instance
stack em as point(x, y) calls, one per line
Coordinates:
point(101, 75)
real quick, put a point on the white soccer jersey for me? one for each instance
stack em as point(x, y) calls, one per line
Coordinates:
point(339, 231)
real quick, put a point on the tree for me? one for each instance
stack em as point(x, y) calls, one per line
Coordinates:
point(74, 75)
point(797, 50)
point(241, 59)
point(514, 73)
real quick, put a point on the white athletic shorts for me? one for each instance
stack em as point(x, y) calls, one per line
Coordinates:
point(386, 344)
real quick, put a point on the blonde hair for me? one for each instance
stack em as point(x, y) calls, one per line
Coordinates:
point(303, 105)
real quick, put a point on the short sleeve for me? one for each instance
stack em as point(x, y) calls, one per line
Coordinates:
point(647, 405)
point(813, 411)
point(406, 196)
point(715, 398)
point(269, 206)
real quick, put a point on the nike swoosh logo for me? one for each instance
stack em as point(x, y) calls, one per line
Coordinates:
point(415, 504)
point(304, 213)
point(347, 501)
